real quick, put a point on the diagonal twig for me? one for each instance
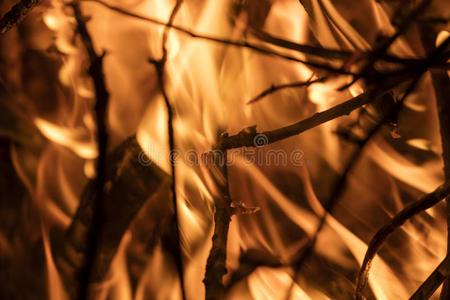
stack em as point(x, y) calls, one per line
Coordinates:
point(246, 137)
point(276, 88)
point(398, 220)
point(16, 14)
point(242, 44)
point(430, 285)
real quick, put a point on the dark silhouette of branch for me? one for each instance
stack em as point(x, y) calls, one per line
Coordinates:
point(16, 14)
point(275, 88)
point(339, 186)
point(159, 66)
point(414, 209)
point(397, 221)
point(247, 136)
point(216, 262)
point(431, 284)
point(328, 53)
point(243, 44)
point(101, 104)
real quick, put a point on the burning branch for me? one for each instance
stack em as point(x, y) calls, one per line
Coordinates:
point(159, 66)
point(216, 263)
point(246, 137)
point(101, 104)
point(16, 14)
point(397, 221)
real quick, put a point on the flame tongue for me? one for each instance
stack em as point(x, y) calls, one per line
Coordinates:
point(277, 190)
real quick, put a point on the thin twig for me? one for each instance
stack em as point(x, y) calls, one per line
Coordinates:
point(382, 47)
point(397, 221)
point(242, 44)
point(216, 262)
point(431, 284)
point(275, 88)
point(101, 104)
point(326, 52)
point(16, 14)
point(159, 66)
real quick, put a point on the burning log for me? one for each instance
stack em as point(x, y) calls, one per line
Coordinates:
point(129, 183)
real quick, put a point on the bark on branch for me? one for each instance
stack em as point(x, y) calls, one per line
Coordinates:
point(431, 284)
point(101, 105)
point(248, 136)
point(16, 14)
point(216, 263)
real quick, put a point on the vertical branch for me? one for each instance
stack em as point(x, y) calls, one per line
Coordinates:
point(101, 104)
point(159, 66)
point(216, 263)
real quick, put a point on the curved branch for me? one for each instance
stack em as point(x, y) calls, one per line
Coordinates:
point(382, 235)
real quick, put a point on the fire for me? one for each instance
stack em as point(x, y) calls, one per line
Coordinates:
point(278, 192)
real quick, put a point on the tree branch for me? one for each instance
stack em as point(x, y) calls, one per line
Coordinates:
point(101, 104)
point(16, 14)
point(159, 66)
point(216, 263)
point(431, 284)
point(398, 220)
point(242, 44)
point(247, 136)
point(276, 88)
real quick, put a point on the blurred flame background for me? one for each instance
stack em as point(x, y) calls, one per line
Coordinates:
point(52, 156)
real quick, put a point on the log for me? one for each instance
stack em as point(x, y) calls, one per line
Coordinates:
point(129, 183)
